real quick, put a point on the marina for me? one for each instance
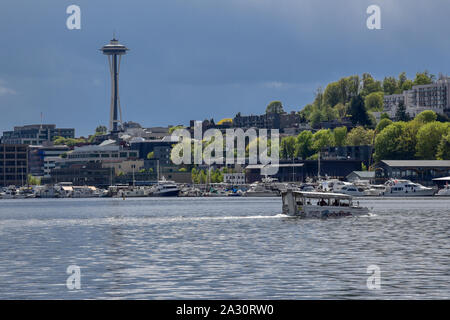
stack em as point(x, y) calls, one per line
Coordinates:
point(265, 188)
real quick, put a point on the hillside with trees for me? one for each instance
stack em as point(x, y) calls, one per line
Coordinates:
point(356, 97)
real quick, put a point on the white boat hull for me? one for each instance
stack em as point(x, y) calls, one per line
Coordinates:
point(425, 193)
point(261, 194)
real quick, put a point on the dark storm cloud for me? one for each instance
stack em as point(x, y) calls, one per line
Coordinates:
point(202, 59)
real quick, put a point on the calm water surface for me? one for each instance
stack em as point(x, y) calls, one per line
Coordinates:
point(220, 248)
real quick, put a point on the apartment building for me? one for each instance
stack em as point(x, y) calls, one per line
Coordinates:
point(36, 134)
point(13, 164)
point(434, 96)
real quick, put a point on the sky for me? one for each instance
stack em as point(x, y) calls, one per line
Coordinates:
point(202, 59)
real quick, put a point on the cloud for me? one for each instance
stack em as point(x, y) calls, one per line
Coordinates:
point(5, 90)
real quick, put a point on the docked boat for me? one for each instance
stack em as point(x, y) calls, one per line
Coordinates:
point(165, 188)
point(375, 190)
point(332, 185)
point(85, 192)
point(261, 190)
point(406, 188)
point(320, 205)
point(267, 187)
point(444, 192)
point(352, 190)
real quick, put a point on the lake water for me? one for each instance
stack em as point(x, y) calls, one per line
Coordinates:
point(220, 248)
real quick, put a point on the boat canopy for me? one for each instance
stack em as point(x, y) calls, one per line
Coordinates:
point(319, 195)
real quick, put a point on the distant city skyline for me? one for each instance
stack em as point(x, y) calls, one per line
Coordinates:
point(200, 59)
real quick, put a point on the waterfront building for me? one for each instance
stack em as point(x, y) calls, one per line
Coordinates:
point(108, 151)
point(13, 164)
point(434, 96)
point(36, 134)
point(49, 164)
point(38, 154)
point(359, 153)
point(368, 176)
point(155, 150)
point(125, 166)
point(421, 171)
point(81, 174)
point(234, 178)
point(264, 121)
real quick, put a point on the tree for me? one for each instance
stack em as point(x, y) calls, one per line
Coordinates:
point(358, 111)
point(322, 139)
point(369, 85)
point(400, 113)
point(429, 137)
point(390, 85)
point(202, 177)
point(194, 175)
point(374, 101)
point(395, 142)
point(287, 147)
point(70, 142)
point(33, 181)
point(402, 78)
point(407, 85)
point(328, 113)
point(341, 110)
point(315, 118)
point(443, 152)
point(101, 130)
point(306, 111)
point(359, 137)
point(382, 124)
point(426, 116)
point(339, 136)
point(303, 146)
point(348, 88)
point(423, 78)
point(332, 94)
point(275, 107)
point(384, 115)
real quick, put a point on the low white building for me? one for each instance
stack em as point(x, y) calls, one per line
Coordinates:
point(234, 178)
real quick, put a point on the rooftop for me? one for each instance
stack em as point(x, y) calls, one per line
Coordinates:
point(364, 174)
point(417, 163)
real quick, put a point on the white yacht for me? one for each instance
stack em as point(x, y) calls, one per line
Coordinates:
point(444, 192)
point(320, 205)
point(85, 192)
point(353, 190)
point(375, 190)
point(332, 185)
point(165, 188)
point(267, 187)
point(8, 194)
point(406, 188)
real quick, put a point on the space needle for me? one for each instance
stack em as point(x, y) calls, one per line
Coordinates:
point(114, 50)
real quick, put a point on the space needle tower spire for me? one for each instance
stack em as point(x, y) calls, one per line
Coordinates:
point(114, 50)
